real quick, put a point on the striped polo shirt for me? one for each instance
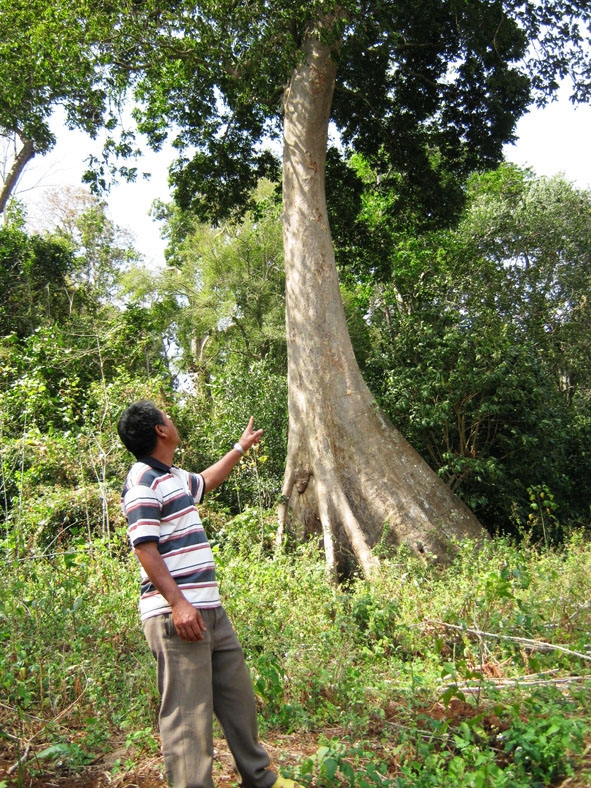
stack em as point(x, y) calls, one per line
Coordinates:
point(159, 504)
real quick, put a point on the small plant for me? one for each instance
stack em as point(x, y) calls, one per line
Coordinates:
point(65, 755)
point(543, 513)
point(334, 765)
point(142, 740)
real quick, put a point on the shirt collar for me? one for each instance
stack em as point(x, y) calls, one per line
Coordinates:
point(154, 463)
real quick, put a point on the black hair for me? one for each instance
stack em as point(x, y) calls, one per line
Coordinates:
point(137, 427)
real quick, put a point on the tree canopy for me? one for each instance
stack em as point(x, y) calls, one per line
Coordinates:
point(430, 89)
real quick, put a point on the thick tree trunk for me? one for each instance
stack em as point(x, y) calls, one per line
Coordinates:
point(350, 475)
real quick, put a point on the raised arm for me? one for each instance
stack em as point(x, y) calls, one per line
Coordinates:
point(220, 470)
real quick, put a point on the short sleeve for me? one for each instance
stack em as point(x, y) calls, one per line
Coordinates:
point(143, 510)
point(197, 486)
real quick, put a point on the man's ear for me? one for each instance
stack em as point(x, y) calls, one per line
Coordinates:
point(160, 430)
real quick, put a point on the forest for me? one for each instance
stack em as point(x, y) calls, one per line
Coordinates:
point(406, 555)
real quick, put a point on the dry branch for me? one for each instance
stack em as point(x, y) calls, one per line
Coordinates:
point(521, 681)
point(536, 645)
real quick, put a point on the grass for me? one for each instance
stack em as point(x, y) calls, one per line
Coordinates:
point(477, 674)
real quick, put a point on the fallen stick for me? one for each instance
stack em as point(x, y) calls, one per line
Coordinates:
point(24, 757)
point(538, 645)
point(524, 681)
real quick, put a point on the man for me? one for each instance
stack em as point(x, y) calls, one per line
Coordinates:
point(200, 664)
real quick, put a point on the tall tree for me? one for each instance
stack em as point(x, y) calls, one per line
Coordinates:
point(537, 235)
point(429, 88)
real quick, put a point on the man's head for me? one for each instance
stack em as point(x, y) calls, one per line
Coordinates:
point(137, 427)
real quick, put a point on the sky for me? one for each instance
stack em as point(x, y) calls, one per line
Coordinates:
point(128, 203)
point(554, 140)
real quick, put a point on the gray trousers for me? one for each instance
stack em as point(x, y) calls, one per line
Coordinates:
point(197, 680)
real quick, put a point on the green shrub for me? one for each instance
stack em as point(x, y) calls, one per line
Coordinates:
point(395, 667)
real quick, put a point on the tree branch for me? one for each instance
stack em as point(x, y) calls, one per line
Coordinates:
point(536, 645)
point(23, 157)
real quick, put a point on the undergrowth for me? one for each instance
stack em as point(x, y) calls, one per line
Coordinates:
point(473, 675)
